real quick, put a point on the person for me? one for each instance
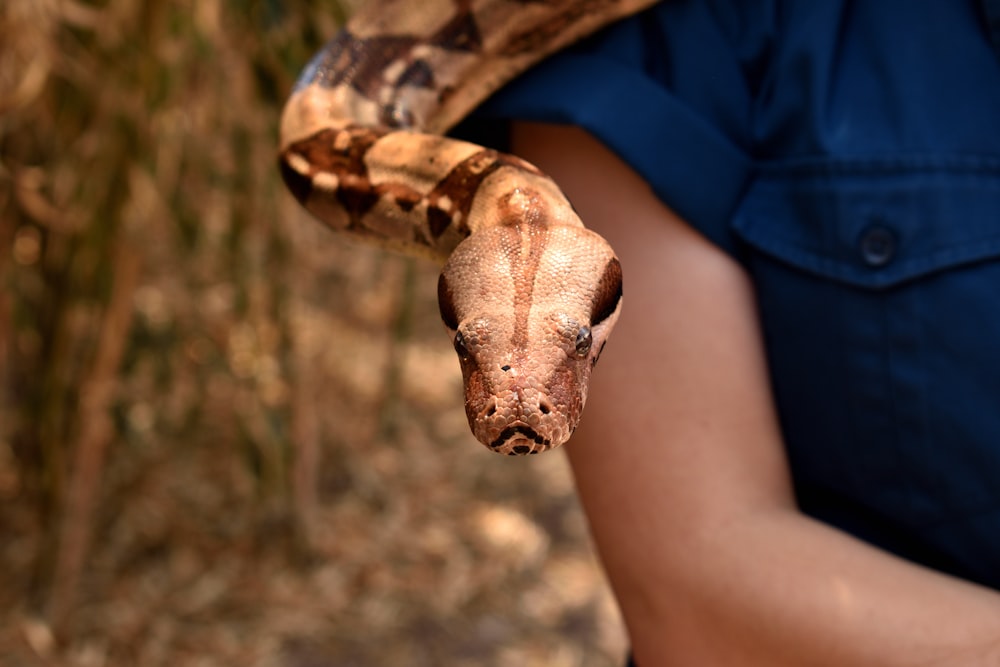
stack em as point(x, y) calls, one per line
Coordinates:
point(791, 450)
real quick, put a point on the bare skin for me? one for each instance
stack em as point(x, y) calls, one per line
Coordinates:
point(680, 466)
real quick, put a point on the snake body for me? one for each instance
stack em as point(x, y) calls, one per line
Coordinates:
point(528, 295)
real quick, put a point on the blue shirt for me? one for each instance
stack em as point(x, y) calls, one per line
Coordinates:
point(848, 153)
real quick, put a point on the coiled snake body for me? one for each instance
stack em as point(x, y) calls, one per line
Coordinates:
point(528, 294)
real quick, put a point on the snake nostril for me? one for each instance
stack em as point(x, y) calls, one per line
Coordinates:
point(544, 407)
point(492, 410)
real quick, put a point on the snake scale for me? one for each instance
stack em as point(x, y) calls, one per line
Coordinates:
point(528, 295)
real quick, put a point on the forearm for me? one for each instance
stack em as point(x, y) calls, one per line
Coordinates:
point(776, 588)
point(706, 575)
point(795, 591)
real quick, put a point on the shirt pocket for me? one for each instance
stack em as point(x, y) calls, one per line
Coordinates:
point(879, 293)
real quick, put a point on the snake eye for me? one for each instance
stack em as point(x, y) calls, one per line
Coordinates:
point(608, 293)
point(584, 339)
point(460, 346)
point(446, 303)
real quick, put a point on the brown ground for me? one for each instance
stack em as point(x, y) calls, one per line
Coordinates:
point(226, 436)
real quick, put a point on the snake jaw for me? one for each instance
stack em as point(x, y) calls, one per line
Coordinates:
point(512, 408)
point(530, 406)
point(519, 438)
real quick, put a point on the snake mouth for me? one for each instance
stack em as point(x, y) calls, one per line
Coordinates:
point(520, 439)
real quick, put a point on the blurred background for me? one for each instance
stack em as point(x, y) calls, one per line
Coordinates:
point(227, 437)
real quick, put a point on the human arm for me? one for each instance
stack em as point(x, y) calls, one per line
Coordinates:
point(681, 470)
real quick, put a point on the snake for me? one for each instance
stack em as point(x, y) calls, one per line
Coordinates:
point(528, 294)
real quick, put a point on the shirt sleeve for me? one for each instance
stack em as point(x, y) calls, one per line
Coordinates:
point(667, 91)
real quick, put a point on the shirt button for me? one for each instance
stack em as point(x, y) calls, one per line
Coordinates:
point(878, 246)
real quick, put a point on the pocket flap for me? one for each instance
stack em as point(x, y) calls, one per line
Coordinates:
point(875, 224)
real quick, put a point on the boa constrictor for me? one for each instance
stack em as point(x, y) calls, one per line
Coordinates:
point(528, 294)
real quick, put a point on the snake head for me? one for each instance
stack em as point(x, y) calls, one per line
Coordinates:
point(529, 309)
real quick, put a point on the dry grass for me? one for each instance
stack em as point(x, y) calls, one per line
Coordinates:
point(226, 436)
